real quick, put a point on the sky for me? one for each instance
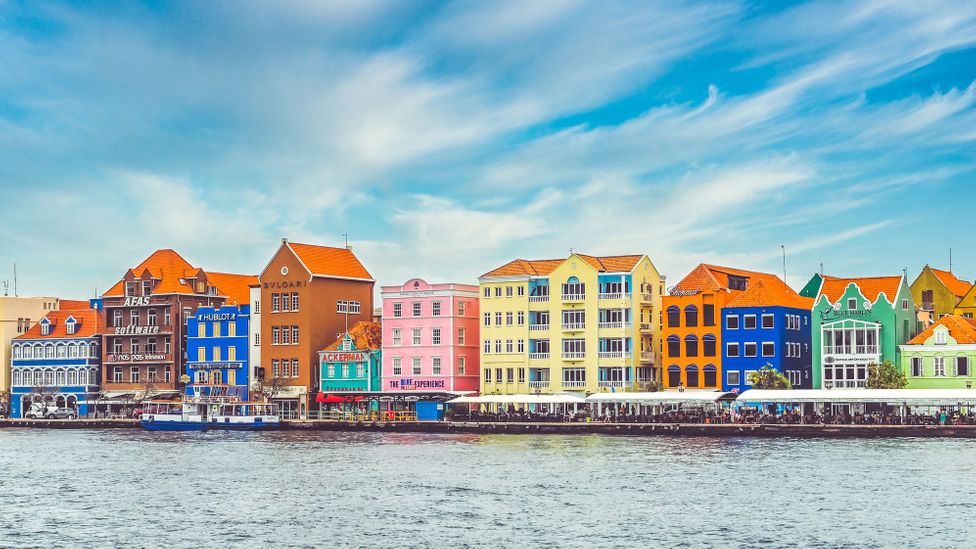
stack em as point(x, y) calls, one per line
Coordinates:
point(447, 139)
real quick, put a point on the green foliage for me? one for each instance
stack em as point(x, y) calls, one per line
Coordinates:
point(769, 378)
point(885, 376)
point(652, 386)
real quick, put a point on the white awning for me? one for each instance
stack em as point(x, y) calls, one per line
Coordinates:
point(662, 397)
point(561, 398)
point(917, 397)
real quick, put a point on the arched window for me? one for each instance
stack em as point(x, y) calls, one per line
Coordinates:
point(62, 377)
point(49, 351)
point(674, 316)
point(674, 346)
point(49, 377)
point(72, 377)
point(691, 316)
point(17, 351)
point(73, 351)
point(691, 345)
point(15, 377)
point(691, 374)
point(674, 375)
point(710, 375)
point(708, 345)
point(62, 350)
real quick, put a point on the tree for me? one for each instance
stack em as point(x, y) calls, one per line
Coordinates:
point(267, 389)
point(652, 386)
point(768, 377)
point(885, 376)
point(4, 403)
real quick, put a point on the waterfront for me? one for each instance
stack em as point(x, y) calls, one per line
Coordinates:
point(135, 488)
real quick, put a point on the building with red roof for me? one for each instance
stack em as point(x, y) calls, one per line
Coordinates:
point(937, 293)
point(942, 356)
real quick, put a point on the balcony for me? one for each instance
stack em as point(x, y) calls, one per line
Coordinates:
point(573, 298)
point(614, 325)
point(538, 299)
point(539, 384)
point(614, 383)
point(928, 307)
point(573, 384)
point(614, 354)
point(646, 327)
point(574, 355)
point(648, 357)
point(574, 326)
point(852, 350)
point(538, 356)
point(538, 327)
point(647, 297)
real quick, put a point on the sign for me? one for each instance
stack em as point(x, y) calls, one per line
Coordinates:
point(133, 301)
point(216, 317)
point(835, 314)
point(673, 291)
point(138, 358)
point(136, 330)
point(410, 384)
point(343, 356)
point(214, 365)
point(285, 284)
point(184, 379)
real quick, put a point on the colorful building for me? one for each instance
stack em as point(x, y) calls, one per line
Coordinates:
point(857, 322)
point(430, 337)
point(937, 293)
point(58, 362)
point(691, 333)
point(17, 316)
point(942, 356)
point(352, 363)
point(582, 324)
point(967, 304)
point(309, 295)
point(768, 324)
point(217, 341)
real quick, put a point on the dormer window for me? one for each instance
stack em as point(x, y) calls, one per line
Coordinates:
point(130, 289)
point(941, 337)
point(70, 326)
point(146, 287)
point(852, 304)
point(45, 327)
point(737, 282)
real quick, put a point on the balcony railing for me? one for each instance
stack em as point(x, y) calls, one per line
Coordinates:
point(538, 298)
point(574, 355)
point(647, 297)
point(646, 327)
point(574, 297)
point(647, 356)
point(616, 383)
point(574, 326)
point(614, 325)
point(538, 384)
point(929, 307)
point(573, 384)
point(614, 354)
point(851, 350)
point(612, 295)
point(534, 327)
point(538, 356)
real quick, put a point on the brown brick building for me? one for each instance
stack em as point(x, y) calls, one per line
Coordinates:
point(309, 295)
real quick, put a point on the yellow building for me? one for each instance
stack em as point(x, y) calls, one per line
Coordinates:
point(583, 324)
point(17, 315)
point(938, 293)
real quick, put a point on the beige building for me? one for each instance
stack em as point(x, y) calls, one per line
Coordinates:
point(17, 315)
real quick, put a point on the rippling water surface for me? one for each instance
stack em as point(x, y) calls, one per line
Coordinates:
point(135, 488)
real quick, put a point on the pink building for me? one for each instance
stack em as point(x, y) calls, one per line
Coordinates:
point(430, 337)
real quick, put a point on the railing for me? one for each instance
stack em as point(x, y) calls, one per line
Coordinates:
point(574, 355)
point(573, 384)
point(574, 326)
point(574, 297)
point(647, 356)
point(538, 356)
point(612, 295)
point(929, 307)
point(538, 298)
point(648, 297)
point(539, 384)
point(616, 383)
point(645, 327)
point(845, 384)
point(360, 415)
point(852, 350)
point(614, 325)
point(534, 327)
point(614, 354)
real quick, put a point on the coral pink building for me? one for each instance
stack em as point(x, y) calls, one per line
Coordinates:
point(430, 337)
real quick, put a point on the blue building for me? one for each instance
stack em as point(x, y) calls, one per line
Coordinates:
point(768, 324)
point(217, 352)
point(58, 362)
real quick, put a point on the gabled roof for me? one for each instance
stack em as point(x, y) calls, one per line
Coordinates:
point(236, 287)
point(366, 336)
point(963, 330)
point(330, 262)
point(543, 267)
point(834, 287)
point(706, 277)
point(166, 266)
point(766, 293)
point(959, 288)
point(87, 324)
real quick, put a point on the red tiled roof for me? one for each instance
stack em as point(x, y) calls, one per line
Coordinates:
point(834, 287)
point(766, 293)
point(328, 261)
point(235, 286)
point(88, 322)
point(959, 288)
point(963, 330)
point(168, 267)
point(73, 305)
point(543, 267)
point(713, 278)
point(366, 335)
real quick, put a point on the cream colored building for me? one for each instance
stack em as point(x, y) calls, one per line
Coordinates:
point(17, 315)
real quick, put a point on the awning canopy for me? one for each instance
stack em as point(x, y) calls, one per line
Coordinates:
point(335, 399)
point(917, 397)
point(662, 397)
point(561, 398)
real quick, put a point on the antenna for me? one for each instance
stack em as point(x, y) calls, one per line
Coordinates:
point(346, 237)
point(950, 260)
point(6, 288)
point(15, 280)
point(783, 246)
point(821, 267)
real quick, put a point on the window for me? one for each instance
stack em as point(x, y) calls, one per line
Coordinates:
point(498, 293)
point(275, 335)
point(521, 371)
point(939, 366)
point(461, 365)
point(201, 354)
point(435, 365)
point(521, 318)
point(941, 337)
point(708, 315)
point(732, 322)
point(708, 345)
point(134, 375)
point(345, 370)
point(691, 316)
point(216, 329)
point(487, 319)
point(498, 346)
point(733, 377)
point(521, 346)
point(117, 346)
point(134, 346)
point(749, 322)
point(748, 376)
point(117, 374)
point(416, 336)
point(461, 307)
point(674, 346)
point(962, 366)
point(396, 337)
point(691, 345)
point(275, 368)
point(294, 367)
point(487, 349)
point(737, 282)
point(435, 336)
point(416, 365)
point(460, 337)
point(416, 308)
point(130, 290)
point(768, 349)
point(767, 321)
point(732, 350)
point(231, 329)
point(904, 304)
point(397, 310)
point(134, 318)
point(45, 329)
point(275, 303)
point(294, 335)
point(521, 291)
point(167, 317)
point(508, 291)
point(674, 317)
point(257, 307)
point(284, 309)
point(487, 294)
point(70, 327)
point(487, 370)
point(294, 301)
point(508, 319)
point(498, 319)
point(852, 304)
point(510, 375)
point(151, 345)
point(508, 346)
point(916, 366)
point(257, 339)
point(397, 366)
point(117, 318)
point(216, 354)
point(435, 308)
point(750, 349)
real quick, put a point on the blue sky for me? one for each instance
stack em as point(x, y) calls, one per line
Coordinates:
point(448, 138)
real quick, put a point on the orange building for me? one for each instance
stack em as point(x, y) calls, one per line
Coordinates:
point(692, 333)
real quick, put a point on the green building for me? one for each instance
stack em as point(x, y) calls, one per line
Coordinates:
point(857, 322)
point(942, 356)
point(352, 362)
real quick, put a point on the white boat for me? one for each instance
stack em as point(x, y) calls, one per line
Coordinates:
point(200, 413)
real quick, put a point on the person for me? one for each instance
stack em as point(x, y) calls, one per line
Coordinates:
point(942, 417)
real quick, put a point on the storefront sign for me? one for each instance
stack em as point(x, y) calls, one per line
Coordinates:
point(285, 284)
point(343, 356)
point(133, 301)
point(136, 330)
point(138, 358)
point(216, 317)
point(675, 292)
point(409, 384)
point(834, 314)
point(213, 365)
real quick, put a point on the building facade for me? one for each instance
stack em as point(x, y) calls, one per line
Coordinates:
point(857, 322)
point(57, 362)
point(966, 307)
point(430, 337)
point(309, 295)
point(692, 334)
point(17, 316)
point(768, 324)
point(254, 335)
point(580, 324)
point(937, 293)
point(353, 362)
point(942, 356)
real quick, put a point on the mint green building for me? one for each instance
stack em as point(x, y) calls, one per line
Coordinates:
point(942, 356)
point(857, 322)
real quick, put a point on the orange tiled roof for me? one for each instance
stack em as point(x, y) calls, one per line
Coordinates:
point(328, 261)
point(366, 335)
point(73, 305)
point(713, 278)
point(834, 287)
point(963, 330)
point(88, 322)
point(543, 267)
point(168, 267)
point(235, 286)
point(959, 288)
point(766, 293)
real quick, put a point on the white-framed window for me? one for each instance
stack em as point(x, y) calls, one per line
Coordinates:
point(733, 377)
point(852, 304)
point(732, 350)
point(275, 303)
point(487, 319)
point(117, 318)
point(904, 304)
point(345, 370)
point(416, 336)
point(521, 346)
point(508, 291)
point(294, 302)
point(435, 365)
point(508, 319)
point(435, 308)
point(498, 319)
point(134, 374)
point(397, 310)
point(487, 370)
point(521, 291)
point(747, 378)
point(521, 371)
point(416, 366)
point(732, 322)
point(487, 349)
point(461, 361)
point(962, 366)
point(767, 321)
point(916, 366)
point(397, 337)
point(749, 322)
point(275, 367)
point(498, 291)
point(939, 363)
point(498, 346)
point(941, 337)
point(416, 308)
point(508, 346)
point(510, 375)
point(461, 307)
point(435, 336)
point(768, 349)
point(795, 377)
point(487, 294)
point(117, 374)
point(521, 317)
point(749, 349)
point(397, 366)
point(294, 335)
point(461, 336)
point(167, 317)
point(294, 367)
point(275, 335)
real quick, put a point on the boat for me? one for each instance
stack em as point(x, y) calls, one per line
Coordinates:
point(202, 413)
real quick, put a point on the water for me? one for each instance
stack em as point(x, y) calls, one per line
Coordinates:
point(134, 488)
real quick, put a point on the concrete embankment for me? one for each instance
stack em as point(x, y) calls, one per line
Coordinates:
point(625, 429)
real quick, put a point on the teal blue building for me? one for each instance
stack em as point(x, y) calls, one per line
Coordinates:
point(352, 363)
